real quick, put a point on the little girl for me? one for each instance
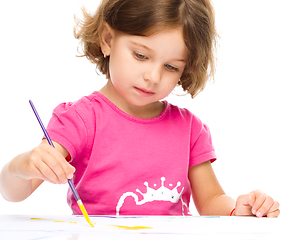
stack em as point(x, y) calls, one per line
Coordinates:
point(128, 152)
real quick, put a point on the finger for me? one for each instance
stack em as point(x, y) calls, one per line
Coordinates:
point(274, 214)
point(45, 173)
point(51, 167)
point(61, 152)
point(67, 168)
point(59, 165)
point(55, 167)
point(244, 204)
point(250, 199)
point(246, 200)
point(262, 205)
point(34, 168)
point(274, 210)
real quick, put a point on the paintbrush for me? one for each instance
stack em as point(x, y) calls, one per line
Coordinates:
point(71, 185)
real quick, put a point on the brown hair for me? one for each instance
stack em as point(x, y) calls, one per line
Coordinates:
point(145, 17)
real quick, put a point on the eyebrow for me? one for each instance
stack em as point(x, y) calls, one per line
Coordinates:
point(140, 45)
point(150, 49)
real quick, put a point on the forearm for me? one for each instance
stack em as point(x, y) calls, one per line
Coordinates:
point(221, 205)
point(13, 188)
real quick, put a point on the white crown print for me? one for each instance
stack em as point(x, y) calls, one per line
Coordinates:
point(161, 194)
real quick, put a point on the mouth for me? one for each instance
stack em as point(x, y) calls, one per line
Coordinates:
point(144, 92)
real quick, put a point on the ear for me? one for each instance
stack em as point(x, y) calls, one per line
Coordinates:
point(106, 37)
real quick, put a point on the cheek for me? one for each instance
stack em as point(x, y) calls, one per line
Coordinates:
point(169, 85)
point(116, 71)
point(120, 66)
point(172, 80)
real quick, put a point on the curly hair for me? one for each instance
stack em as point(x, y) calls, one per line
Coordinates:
point(146, 17)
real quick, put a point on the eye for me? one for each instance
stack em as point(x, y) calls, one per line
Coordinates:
point(171, 68)
point(140, 56)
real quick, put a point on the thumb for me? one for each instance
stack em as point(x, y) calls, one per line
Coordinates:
point(244, 204)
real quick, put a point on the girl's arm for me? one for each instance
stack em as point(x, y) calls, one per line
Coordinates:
point(25, 173)
point(210, 198)
point(208, 195)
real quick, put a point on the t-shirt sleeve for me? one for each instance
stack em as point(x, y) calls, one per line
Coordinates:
point(201, 146)
point(69, 128)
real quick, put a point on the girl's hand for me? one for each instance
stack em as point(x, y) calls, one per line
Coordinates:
point(43, 162)
point(256, 203)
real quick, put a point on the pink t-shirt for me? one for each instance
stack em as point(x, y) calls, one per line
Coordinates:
point(127, 165)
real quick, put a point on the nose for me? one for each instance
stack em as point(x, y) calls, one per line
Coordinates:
point(153, 74)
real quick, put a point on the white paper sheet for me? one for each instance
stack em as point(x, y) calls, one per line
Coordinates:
point(136, 227)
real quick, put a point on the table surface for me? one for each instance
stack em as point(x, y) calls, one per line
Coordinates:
point(56, 227)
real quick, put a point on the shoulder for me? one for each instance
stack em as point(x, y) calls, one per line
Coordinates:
point(84, 102)
point(185, 115)
point(80, 115)
point(83, 106)
point(190, 121)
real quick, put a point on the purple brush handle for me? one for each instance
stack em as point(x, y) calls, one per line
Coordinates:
point(41, 124)
point(75, 193)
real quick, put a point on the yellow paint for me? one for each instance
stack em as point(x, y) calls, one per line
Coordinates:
point(39, 219)
point(51, 220)
point(85, 213)
point(132, 228)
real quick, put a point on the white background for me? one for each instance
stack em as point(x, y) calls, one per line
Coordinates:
point(243, 107)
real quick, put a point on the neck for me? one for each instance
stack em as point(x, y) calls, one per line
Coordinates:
point(146, 111)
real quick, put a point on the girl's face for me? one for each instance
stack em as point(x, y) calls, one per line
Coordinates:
point(144, 70)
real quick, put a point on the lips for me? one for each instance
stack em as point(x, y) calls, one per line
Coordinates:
point(144, 92)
